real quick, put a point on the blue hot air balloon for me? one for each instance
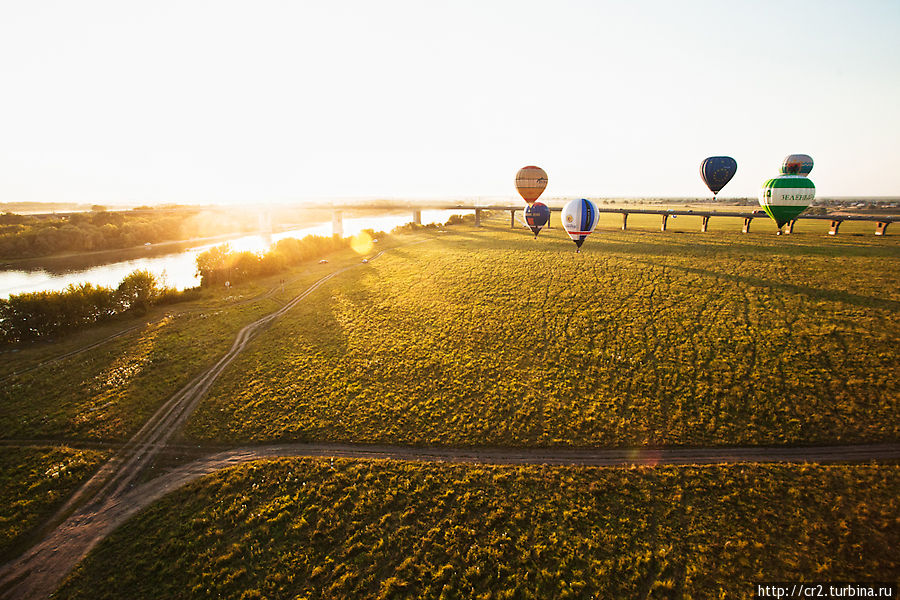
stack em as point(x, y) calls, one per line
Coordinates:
point(537, 215)
point(716, 171)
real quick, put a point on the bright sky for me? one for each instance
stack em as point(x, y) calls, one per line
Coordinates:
point(268, 101)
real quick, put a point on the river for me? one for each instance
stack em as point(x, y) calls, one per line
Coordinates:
point(175, 264)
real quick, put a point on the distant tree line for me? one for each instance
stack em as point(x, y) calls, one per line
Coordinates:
point(39, 315)
point(24, 236)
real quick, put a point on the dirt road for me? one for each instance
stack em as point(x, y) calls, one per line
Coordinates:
point(41, 570)
point(99, 504)
point(114, 494)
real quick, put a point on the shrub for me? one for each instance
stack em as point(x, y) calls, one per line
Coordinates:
point(37, 315)
point(220, 264)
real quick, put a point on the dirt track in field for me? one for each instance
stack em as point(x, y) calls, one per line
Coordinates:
point(41, 570)
point(117, 335)
point(114, 494)
point(107, 498)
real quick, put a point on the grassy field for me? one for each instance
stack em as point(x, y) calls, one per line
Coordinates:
point(489, 337)
point(357, 529)
point(107, 393)
point(486, 336)
point(34, 482)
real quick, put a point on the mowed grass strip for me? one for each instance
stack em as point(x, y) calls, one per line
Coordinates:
point(297, 528)
point(486, 336)
point(34, 482)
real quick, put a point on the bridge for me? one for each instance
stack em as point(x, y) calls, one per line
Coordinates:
point(265, 219)
point(881, 221)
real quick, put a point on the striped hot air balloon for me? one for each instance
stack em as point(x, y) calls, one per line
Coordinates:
point(531, 182)
point(786, 196)
point(579, 217)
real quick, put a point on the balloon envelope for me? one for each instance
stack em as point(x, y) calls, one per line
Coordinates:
point(537, 215)
point(716, 171)
point(797, 164)
point(579, 217)
point(531, 182)
point(786, 196)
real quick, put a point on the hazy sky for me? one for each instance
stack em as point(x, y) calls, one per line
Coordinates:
point(261, 101)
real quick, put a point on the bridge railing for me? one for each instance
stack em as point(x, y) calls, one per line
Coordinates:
point(881, 221)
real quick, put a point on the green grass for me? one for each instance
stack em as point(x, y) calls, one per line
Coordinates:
point(34, 482)
point(486, 336)
point(358, 529)
point(107, 393)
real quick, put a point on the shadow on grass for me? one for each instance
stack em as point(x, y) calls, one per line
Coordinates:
point(666, 243)
point(648, 245)
point(793, 288)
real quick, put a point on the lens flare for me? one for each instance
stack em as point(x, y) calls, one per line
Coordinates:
point(361, 243)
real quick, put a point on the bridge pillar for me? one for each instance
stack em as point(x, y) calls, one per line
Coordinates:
point(704, 224)
point(477, 217)
point(265, 221)
point(746, 228)
point(835, 225)
point(512, 219)
point(664, 222)
point(881, 227)
point(790, 226)
point(337, 224)
point(624, 221)
point(417, 217)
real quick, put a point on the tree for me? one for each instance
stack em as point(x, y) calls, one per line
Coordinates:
point(137, 291)
point(211, 264)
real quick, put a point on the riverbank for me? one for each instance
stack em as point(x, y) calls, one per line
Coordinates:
point(175, 262)
point(73, 260)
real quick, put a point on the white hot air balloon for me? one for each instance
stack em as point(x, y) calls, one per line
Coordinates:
point(579, 217)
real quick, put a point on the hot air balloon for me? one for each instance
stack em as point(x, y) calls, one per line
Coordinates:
point(797, 164)
point(716, 171)
point(579, 217)
point(537, 215)
point(786, 196)
point(531, 182)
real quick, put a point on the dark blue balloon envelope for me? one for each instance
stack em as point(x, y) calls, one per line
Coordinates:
point(716, 171)
point(537, 215)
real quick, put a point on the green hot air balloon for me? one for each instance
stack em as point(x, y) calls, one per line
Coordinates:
point(786, 196)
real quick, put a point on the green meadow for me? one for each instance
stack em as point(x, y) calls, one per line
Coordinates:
point(108, 392)
point(381, 529)
point(34, 482)
point(469, 336)
point(487, 336)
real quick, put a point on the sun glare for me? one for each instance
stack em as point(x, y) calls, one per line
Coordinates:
point(362, 243)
